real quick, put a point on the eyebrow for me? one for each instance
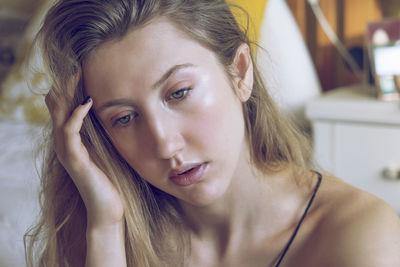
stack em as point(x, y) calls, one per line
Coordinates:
point(116, 102)
point(121, 102)
point(169, 73)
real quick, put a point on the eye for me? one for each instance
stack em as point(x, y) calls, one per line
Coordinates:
point(123, 121)
point(180, 94)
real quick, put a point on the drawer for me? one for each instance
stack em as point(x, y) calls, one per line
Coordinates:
point(358, 153)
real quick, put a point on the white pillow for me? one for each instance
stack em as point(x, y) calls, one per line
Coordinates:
point(19, 184)
point(286, 64)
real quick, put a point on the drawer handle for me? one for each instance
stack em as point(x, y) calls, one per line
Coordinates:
point(391, 173)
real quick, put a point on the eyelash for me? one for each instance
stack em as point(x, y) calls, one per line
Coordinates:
point(118, 122)
point(185, 91)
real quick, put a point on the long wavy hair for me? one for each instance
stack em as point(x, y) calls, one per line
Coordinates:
point(71, 31)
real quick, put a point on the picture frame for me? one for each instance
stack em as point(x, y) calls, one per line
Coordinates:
point(383, 44)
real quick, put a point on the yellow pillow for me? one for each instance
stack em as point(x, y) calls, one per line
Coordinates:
point(255, 9)
point(17, 101)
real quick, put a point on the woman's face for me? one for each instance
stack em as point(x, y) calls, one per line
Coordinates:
point(169, 109)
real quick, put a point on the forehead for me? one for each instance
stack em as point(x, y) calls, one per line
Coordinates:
point(141, 57)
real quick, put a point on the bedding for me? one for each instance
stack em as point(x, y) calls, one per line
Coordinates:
point(19, 185)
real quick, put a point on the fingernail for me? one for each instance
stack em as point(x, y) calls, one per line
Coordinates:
point(87, 100)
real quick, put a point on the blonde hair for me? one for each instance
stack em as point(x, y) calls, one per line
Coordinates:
point(72, 30)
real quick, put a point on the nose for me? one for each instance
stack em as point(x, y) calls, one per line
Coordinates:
point(166, 138)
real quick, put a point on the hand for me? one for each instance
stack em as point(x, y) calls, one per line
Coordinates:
point(102, 201)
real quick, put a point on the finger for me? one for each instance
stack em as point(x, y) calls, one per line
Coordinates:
point(58, 111)
point(74, 124)
point(57, 103)
point(53, 108)
point(73, 83)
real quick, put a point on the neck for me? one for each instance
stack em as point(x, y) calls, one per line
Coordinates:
point(228, 211)
point(255, 211)
point(251, 202)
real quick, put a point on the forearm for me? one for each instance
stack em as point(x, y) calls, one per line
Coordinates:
point(105, 246)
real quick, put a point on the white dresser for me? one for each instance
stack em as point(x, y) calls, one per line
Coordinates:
point(357, 138)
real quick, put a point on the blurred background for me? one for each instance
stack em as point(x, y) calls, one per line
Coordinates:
point(14, 17)
point(348, 18)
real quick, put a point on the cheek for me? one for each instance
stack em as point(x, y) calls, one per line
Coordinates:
point(133, 148)
point(138, 158)
point(218, 120)
point(207, 117)
point(125, 142)
point(125, 146)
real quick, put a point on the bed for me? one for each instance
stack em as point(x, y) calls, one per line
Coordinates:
point(19, 185)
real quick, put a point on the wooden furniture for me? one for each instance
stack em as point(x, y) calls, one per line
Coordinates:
point(349, 20)
point(357, 138)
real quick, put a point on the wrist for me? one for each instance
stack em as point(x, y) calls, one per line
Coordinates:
point(105, 245)
point(95, 227)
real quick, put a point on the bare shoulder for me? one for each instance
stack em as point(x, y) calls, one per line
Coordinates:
point(359, 229)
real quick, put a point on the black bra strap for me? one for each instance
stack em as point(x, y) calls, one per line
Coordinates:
point(301, 220)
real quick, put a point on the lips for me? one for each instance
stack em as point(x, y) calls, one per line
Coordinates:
point(188, 174)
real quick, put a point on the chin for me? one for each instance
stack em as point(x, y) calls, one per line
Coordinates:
point(204, 195)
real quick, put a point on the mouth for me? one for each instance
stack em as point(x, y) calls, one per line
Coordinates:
point(186, 171)
point(188, 174)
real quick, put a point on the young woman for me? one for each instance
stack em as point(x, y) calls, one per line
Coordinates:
point(177, 155)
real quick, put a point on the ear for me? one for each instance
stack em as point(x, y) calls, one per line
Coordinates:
point(242, 67)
